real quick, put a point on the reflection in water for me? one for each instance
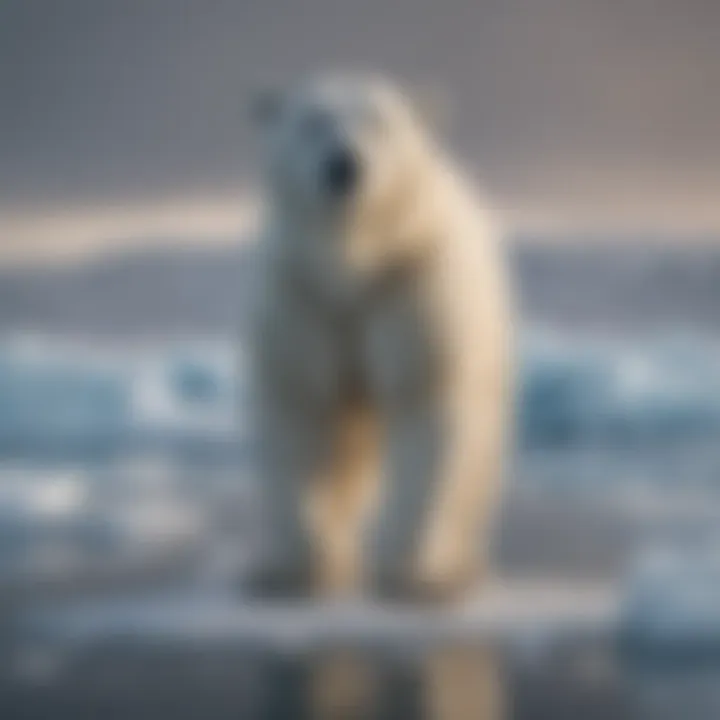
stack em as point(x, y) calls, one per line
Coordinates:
point(193, 678)
point(448, 684)
point(465, 684)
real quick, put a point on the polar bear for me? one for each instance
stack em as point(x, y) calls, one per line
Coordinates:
point(380, 351)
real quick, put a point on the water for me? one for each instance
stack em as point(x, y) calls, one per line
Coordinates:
point(123, 472)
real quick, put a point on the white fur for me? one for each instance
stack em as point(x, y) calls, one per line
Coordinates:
point(422, 449)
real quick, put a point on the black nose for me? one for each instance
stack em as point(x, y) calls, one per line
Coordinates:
point(341, 172)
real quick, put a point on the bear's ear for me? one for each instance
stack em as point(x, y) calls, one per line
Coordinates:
point(265, 107)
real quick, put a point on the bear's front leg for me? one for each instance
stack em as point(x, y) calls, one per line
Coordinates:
point(438, 494)
point(289, 449)
point(412, 462)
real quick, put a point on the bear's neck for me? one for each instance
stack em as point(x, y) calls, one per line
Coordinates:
point(346, 264)
point(362, 241)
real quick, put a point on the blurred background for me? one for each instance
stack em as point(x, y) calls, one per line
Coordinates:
point(126, 206)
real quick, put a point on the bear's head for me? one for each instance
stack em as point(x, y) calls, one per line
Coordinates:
point(341, 147)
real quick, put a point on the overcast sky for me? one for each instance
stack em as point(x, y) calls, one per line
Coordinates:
point(577, 112)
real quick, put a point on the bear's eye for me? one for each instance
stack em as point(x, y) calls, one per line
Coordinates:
point(316, 125)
